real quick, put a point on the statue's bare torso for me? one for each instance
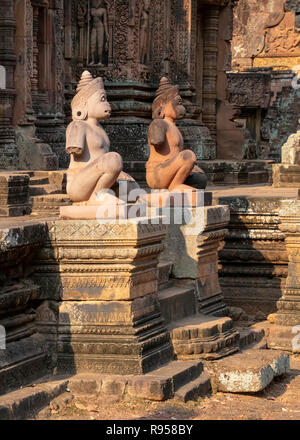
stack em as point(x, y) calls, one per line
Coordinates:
point(98, 15)
point(172, 145)
point(95, 143)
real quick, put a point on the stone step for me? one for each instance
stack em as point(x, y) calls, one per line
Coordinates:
point(249, 371)
point(203, 337)
point(39, 190)
point(180, 372)
point(177, 302)
point(199, 387)
point(158, 385)
point(27, 401)
point(38, 181)
point(256, 177)
point(43, 173)
point(250, 336)
point(164, 272)
point(179, 379)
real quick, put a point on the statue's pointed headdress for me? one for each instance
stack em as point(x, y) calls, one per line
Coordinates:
point(86, 88)
point(164, 94)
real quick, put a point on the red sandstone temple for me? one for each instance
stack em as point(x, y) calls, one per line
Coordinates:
point(231, 287)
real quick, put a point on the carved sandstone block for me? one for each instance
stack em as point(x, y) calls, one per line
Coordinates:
point(283, 332)
point(14, 192)
point(86, 260)
point(102, 280)
point(193, 245)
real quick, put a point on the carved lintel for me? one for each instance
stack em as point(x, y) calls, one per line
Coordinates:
point(39, 3)
point(220, 3)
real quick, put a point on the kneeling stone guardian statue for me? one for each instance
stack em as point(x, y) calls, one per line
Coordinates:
point(93, 169)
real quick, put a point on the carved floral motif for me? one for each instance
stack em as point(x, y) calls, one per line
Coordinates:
point(251, 90)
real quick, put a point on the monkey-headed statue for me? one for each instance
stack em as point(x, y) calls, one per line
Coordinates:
point(94, 171)
point(170, 166)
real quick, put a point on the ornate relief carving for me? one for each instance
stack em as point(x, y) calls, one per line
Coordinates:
point(282, 40)
point(8, 150)
point(98, 36)
point(210, 52)
point(159, 41)
point(120, 43)
point(29, 53)
point(247, 89)
point(144, 34)
point(60, 74)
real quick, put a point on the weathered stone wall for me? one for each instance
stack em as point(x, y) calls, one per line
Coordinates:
point(50, 44)
point(143, 40)
point(24, 358)
point(265, 59)
point(265, 34)
point(253, 262)
point(8, 149)
point(181, 42)
point(286, 320)
point(39, 83)
point(282, 120)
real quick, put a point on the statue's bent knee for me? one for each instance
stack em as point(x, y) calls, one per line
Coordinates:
point(113, 163)
point(188, 156)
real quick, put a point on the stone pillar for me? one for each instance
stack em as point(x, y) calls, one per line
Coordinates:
point(7, 41)
point(33, 154)
point(23, 112)
point(49, 99)
point(35, 49)
point(209, 292)
point(286, 322)
point(8, 149)
point(100, 281)
point(211, 21)
point(185, 61)
point(193, 249)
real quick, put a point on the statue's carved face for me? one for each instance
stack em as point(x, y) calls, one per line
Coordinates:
point(174, 109)
point(97, 3)
point(147, 4)
point(98, 107)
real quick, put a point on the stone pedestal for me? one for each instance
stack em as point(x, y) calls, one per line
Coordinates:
point(253, 262)
point(286, 322)
point(192, 246)
point(101, 283)
point(286, 175)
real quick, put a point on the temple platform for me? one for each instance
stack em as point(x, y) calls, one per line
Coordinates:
point(218, 171)
point(253, 263)
point(167, 316)
point(259, 190)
